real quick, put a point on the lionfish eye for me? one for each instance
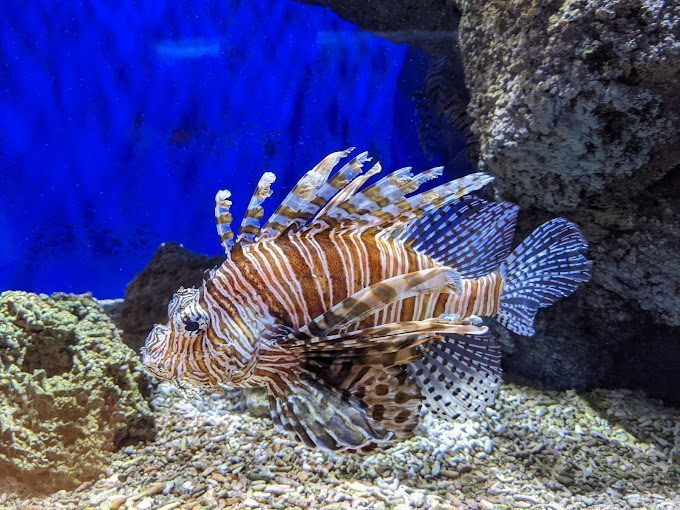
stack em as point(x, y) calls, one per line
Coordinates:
point(191, 326)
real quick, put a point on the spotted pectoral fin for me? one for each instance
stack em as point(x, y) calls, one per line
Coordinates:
point(322, 416)
point(389, 395)
point(458, 374)
point(367, 301)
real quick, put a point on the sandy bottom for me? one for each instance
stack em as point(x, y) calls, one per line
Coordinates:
point(535, 449)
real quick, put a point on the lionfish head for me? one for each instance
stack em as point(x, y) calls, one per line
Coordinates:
point(167, 345)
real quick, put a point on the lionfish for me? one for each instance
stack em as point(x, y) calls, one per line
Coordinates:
point(358, 307)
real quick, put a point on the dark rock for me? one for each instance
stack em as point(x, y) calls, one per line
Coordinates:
point(574, 107)
point(426, 24)
point(71, 392)
point(147, 296)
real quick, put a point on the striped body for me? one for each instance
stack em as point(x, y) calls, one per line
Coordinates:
point(296, 278)
point(357, 306)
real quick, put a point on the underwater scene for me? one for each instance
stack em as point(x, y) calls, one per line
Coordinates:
point(318, 254)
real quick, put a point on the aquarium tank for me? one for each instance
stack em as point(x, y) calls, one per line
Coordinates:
point(329, 254)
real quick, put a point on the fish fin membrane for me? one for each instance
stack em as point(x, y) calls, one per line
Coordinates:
point(340, 202)
point(396, 215)
point(322, 416)
point(361, 205)
point(548, 265)
point(389, 395)
point(458, 375)
point(472, 235)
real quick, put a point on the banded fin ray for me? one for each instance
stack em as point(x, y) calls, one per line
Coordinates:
point(367, 301)
point(458, 374)
point(223, 219)
point(298, 207)
point(392, 219)
point(338, 203)
point(402, 214)
point(333, 209)
point(323, 416)
point(385, 338)
point(389, 395)
point(340, 180)
point(250, 226)
point(391, 188)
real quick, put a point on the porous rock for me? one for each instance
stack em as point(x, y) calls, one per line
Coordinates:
point(148, 294)
point(576, 112)
point(70, 391)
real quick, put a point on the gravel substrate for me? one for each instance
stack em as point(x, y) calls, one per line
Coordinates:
point(536, 449)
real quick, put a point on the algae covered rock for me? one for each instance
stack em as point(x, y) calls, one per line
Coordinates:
point(70, 391)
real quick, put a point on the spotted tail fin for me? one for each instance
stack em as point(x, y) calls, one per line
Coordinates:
point(547, 266)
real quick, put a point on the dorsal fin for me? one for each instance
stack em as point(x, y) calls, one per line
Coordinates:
point(298, 207)
point(393, 187)
point(387, 190)
point(413, 207)
point(388, 207)
point(250, 226)
point(472, 235)
point(223, 219)
point(333, 212)
point(340, 180)
point(391, 219)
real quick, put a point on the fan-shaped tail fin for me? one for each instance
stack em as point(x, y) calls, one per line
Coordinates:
point(547, 266)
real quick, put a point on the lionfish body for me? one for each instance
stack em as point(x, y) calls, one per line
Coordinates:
point(358, 307)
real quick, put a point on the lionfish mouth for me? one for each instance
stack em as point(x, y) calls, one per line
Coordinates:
point(153, 341)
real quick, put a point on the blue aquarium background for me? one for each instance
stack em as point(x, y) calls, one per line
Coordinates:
point(120, 120)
